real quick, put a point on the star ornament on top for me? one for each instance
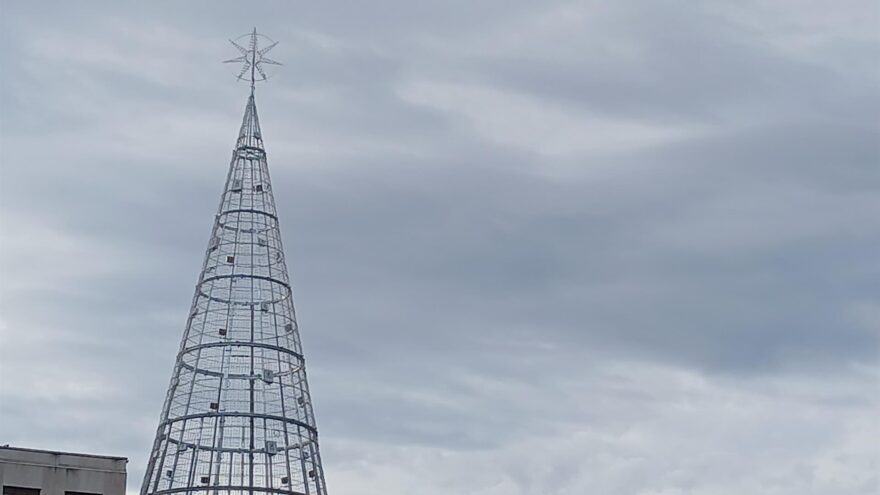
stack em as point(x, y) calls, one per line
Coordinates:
point(253, 57)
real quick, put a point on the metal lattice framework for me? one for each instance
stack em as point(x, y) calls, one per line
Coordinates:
point(238, 416)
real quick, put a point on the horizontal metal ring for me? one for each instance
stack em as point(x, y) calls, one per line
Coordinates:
point(214, 488)
point(245, 210)
point(239, 376)
point(237, 414)
point(240, 450)
point(212, 278)
point(237, 343)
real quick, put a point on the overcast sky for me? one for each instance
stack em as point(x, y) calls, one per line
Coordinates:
point(538, 248)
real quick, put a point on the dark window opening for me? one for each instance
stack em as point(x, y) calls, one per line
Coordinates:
point(20, 490)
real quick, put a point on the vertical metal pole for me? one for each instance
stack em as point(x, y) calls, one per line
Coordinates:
point(252, 379)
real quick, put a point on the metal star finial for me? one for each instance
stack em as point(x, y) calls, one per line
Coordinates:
point(253, 57)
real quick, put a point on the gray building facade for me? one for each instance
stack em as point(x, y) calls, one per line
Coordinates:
point(44, 472)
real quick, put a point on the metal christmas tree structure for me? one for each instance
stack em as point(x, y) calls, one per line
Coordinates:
point(238, 416)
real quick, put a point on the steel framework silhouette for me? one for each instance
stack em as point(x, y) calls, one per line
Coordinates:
point(238, 416)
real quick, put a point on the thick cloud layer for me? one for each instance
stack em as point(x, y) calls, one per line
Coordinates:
point(538, 247)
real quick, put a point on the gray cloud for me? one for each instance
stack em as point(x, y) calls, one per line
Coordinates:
point(535, 248)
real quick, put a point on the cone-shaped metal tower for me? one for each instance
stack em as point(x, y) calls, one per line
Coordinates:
point(238, 416)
